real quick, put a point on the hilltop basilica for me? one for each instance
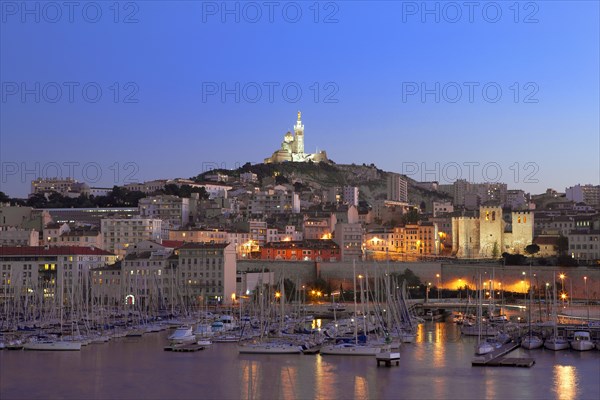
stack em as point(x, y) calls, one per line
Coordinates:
point(292, 148)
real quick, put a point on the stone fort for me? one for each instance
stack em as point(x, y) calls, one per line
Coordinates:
point(490, 234)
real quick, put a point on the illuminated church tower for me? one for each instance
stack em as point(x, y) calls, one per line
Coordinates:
point(299, 136)
point(292, 148)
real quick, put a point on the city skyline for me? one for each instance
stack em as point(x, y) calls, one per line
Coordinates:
point(404, 92)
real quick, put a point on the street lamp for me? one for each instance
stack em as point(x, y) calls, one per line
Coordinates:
point(427, 292)
point(562, 287)
point(438, 285)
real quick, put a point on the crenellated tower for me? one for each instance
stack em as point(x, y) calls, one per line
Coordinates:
point(299, 135)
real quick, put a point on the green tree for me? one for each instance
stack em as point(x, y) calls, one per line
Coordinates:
point(532, 249)
point(37, 200)
point(408, 276)
point(562, 245)
point(495, 250)
point(411, 217)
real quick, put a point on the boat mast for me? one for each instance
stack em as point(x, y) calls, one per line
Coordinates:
point(355, 307)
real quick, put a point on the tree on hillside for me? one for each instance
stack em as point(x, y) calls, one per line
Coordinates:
point(562, 245)
point(532, 249)
point(411, 217)
point(513, 259)
point(184, 191)
point(37, 200)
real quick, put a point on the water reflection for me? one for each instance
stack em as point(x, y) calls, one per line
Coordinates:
point(288, 379)
point(439, 349)
point(420, 333)
point(490, 387)
point(249, 387)
point(360, 388)
point(440, 368)
point(325, 379)
point(565, 382)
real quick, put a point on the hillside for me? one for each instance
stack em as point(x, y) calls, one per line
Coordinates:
point(371, 181)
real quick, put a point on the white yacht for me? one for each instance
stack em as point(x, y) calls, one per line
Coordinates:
point(556, 343)
point(582, 341)
point(269, 348)
point(484, 347)
point(182, 335)
point(50, 345)
point(204, 342)
point(531, 342)
point(350, 349)
point(203, 331)
point(96, 339)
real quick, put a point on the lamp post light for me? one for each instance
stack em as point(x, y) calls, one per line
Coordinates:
point(562, 287)
point(438, 285)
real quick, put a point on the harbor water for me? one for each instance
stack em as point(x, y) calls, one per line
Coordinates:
point(436, 366)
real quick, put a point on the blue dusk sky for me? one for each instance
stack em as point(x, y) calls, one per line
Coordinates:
point(492, 91)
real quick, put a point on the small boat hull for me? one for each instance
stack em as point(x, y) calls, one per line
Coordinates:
point(269, 348)
point(531, 342)
point(582, 341)
point(348, 349)
point(53, 346)
point(556, 344)
point(484, 348)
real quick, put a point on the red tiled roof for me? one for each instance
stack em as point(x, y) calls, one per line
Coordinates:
point(52, 251)
point(172, 244)
point(202, 245)
point(306, 244)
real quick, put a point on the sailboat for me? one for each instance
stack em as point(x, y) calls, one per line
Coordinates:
point(53, 345)
point(356, 348)
point(555, 342)
point(272, 346)
point(482, 346)
point(582, 340)
point(46, 344)
point(531, 341)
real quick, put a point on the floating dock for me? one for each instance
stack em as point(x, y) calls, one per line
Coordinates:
point(187, 348)
point(497, 358)
point(387, 358)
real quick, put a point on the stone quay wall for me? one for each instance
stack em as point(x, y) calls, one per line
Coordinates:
point(451, 275)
